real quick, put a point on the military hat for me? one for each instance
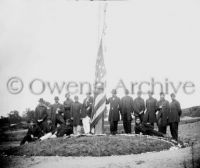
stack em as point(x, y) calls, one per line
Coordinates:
point(126, 91)
point(56, 98)
point(114, 91)
point(41, 100)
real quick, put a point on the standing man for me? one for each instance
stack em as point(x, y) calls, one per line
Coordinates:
point(151, 108)
point(55, 108)
point(114, 113)
point(163, 114)
point(126, 105)
point(174, 116)
point(67, 106)
point(41, 114)
point(76, 115)
point(87, 112)
point(139, 106)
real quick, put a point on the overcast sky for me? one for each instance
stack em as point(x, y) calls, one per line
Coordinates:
point(57, 41)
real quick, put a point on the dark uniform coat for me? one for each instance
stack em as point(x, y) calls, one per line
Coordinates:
point(126, 106)
point(67, 108)
point(151, 108)
point(49, 128)
point(76, 113)
point(40, 113)
point(175, 112)
point(35, 131)
point(114, 112)
point(163, 115)
point(54, 108)
point(138, 105)
point(87, 107)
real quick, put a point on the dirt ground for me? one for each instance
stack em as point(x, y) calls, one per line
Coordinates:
point(165, 159)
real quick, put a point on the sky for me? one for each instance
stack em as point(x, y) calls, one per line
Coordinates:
point(48, 42)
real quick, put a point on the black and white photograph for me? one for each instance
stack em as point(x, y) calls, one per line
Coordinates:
point(99, 84)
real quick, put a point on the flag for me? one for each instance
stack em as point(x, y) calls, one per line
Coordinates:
point(99, 97)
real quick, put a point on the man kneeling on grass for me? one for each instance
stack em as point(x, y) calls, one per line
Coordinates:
point(49, 130)
point(146, 129)
point(34, 133)
point(60, 130)
point(63, 129)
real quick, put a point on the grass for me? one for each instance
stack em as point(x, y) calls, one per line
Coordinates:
point(90, 146)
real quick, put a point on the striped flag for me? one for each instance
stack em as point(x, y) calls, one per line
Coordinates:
point(100, 96)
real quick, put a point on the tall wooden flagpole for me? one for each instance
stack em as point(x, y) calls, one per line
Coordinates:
point(97, 122)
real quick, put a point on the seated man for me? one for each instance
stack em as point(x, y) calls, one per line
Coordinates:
point(34, 133)
point(146, 129)
point(49, 130)
point(63, 129)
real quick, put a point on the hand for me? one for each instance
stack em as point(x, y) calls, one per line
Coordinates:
point(57, 110)
point(32, 136)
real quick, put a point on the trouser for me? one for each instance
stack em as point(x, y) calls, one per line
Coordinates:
point(27, 138)
point(77, 130)
point(155, 133)
point(86, 124)
point(162, 129)
point(174, 130)
point(46, 136)
point(113, 127)
point(127, 126)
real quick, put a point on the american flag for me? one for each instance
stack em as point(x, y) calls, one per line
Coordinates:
point(99, 97)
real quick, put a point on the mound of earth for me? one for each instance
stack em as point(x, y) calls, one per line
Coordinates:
point(91, 146)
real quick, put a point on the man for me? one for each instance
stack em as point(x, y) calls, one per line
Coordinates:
point(41, 114)
point(49, 130)
point(151, 108)
point(34, 133)
point(163, 114)
point(55, 108)
point(86, 112)
point(76, 115)
point(60, 117)
point(146, 128)
point(139, 106)
point(126, 105)
point(114, 113)
point(174, 116)
point(67, 106)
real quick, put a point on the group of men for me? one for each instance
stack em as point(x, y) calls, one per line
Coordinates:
point(64, 119)
point(58, 119)
point(146, 114)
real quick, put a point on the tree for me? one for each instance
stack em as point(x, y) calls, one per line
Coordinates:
point(14, 117)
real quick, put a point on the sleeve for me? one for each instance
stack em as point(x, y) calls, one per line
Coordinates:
point(143, 105)
point(156, 105)
point(71, 111)
point(179, 109)
point(36, 114)
point(44, 114)
point(135, 108)
point(132, 105)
